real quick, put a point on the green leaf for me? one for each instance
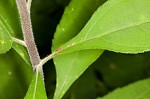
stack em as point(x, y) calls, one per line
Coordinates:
point(87, 86)
point(70, 66)
point(10, 17)
point(22, 52)
point(10, 27)
point(5, 39)
point(15, 76)
point(115, 26)
point(75, 22)
point(137, 90)
point(36, 89)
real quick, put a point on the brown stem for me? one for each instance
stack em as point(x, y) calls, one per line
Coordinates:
point(27, 32)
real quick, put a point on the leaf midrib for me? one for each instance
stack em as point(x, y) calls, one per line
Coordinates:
point(7, 27)
point(114, 5)
point(104, 34)
point(143, 93)
point(70, 69)
point(3, 39)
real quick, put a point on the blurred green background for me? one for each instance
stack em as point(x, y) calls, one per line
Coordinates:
point(110, 71)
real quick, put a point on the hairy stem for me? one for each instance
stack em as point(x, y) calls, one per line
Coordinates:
point(21, 42)
point(27, 32)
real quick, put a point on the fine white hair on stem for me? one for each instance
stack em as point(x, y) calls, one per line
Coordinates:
point(28, 33)
point(29, 42)
point(29, 5)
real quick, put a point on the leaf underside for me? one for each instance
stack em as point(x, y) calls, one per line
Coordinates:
point(119, 25)
point(70, 66)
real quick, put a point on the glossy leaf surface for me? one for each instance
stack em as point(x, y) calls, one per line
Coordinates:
point(70, 66)
point(115, 26)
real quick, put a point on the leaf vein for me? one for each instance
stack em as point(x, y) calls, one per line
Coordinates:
point(102, 17)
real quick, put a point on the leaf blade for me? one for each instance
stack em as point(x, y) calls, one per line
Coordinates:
point(10, 23)
point(137, 90)
point(76, 15)
point(113, 28)
point(5, 39)
point(22, 52)
point(36, 89)
point(74, 71)
point(13, 82)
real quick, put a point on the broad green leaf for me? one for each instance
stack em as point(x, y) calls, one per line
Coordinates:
point(10, 27)
point(118, 25)
point(36, 89)
point(87, 86)
point(15, 76)
point(111, 70)
point(70, 66)
point(137, 90)
point(76, 14)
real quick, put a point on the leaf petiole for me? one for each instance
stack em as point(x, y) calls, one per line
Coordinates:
point(49, 57)
point(21, 42)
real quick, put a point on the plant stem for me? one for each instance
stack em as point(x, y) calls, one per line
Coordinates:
point(21, 42)
point(27, 32)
